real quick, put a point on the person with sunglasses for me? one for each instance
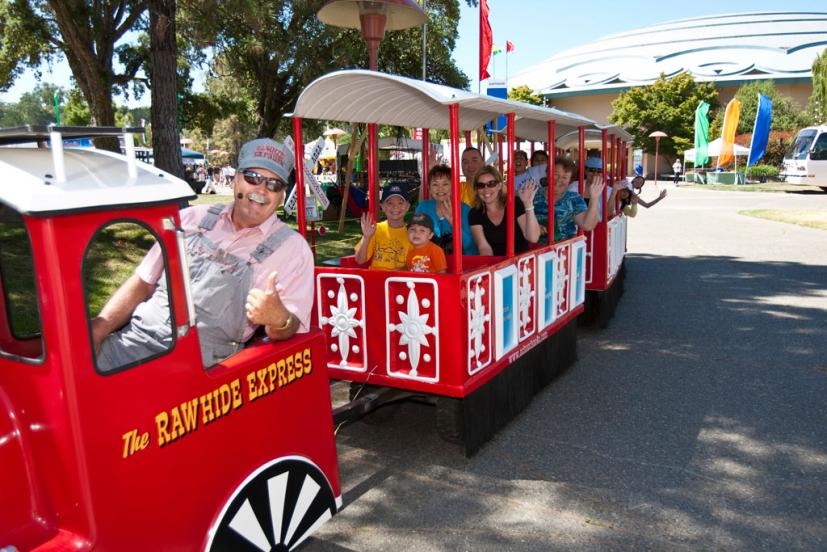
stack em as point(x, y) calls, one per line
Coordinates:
point(488, 217)
point(247, 269)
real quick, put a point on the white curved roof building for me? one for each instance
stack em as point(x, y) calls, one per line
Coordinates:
point(726, 49)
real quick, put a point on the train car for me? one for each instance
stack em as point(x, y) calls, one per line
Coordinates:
point(482, 339)
point(606, 243)
point(161, 454)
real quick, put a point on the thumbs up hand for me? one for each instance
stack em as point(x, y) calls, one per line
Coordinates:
point(264, 306)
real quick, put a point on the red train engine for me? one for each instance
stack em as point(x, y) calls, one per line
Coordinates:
point(161, 454)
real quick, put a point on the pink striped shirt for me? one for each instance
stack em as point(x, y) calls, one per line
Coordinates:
point(293, 260)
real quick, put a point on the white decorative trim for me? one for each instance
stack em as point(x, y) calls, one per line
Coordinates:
point(507, 336)
point(546, 291)
point(338, 326)
point(577, 272)
point(589, 257)
point(527, 297)
point(413, 330)
point(479, 320)
point(561, 278)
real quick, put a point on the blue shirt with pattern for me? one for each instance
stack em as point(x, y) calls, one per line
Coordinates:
point(565, 208)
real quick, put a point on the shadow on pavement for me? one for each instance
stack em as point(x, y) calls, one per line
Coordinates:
point(696, 422)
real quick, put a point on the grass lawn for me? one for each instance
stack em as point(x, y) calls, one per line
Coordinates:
point(768, 187)
point(331, 245)
point(812, 218)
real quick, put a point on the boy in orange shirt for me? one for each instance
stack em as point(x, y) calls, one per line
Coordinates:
point(424, 256)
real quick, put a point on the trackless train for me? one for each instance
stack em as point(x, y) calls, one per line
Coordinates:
point(168, 454)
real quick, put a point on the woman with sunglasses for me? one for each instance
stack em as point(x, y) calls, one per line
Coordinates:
point(488, 217)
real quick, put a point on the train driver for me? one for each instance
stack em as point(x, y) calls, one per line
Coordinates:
point(247, 267)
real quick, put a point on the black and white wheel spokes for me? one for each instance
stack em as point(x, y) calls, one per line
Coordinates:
point(276, 510)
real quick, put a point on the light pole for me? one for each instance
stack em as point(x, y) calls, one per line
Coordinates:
point(373, 18)
point(657, 135)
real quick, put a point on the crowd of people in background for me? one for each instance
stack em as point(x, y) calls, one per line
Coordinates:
point(204, 179)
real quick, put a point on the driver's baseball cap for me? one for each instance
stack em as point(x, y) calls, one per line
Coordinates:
point(264, 153)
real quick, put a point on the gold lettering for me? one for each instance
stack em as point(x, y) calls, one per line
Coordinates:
point(224, 395)
point(308, 363)
point(251, 386)
point(297, 363)
point(217, 406)
point(235, 385)
point(271, 375)
point(206, 408)
point(262, 382)
point(290, 375)
point(189, 412)
point(281, 366)
point(161, 423)
point(177, 427)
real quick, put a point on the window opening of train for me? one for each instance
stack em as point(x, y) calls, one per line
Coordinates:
point(114, 257)
point(20, 330)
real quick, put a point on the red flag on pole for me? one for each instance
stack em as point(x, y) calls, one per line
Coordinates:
point(509, 47)
point(486, 40)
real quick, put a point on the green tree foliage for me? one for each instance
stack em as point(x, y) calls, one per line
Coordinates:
point(525, 94)
point(818, 99)
point(270, 50)
point(786, 114)
point(76, 112)
point(85, 33)
point(667, 105)
point(34, 108)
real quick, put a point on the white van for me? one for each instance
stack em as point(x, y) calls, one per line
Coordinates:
point(806, 160)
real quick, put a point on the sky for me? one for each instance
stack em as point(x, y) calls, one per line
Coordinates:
point(538, 29)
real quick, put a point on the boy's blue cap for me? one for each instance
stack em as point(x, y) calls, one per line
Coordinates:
point(394, 189)
point(594, 163)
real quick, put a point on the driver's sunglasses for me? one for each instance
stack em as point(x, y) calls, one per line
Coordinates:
point(487, 184)
point(255, 179)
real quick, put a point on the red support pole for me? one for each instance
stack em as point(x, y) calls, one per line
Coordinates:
point(500, 160)
point(581, 146)
point(426, 162)
point(604, 200)
point(298, 163)
point(552, 128)
point(509, 213)
point(468, 139)
point(373, 171)
point(456, 194)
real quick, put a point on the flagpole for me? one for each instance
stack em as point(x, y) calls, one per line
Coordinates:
point(479, 75)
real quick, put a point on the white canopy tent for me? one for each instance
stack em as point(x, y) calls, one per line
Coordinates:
point(714, 150)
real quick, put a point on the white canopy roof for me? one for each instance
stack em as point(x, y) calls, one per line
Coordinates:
point(371, 97)
point(94, 179)
point(594, 137)
point(714, 150)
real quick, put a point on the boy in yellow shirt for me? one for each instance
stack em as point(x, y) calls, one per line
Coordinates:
point(386, 244)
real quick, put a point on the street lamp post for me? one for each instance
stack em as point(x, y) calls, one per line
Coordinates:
point(657, 135)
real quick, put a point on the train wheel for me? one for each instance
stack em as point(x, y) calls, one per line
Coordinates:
point(276, 508)
point(450, 420)
point(383, 413)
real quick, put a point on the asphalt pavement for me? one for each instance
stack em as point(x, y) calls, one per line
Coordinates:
point(696, 421)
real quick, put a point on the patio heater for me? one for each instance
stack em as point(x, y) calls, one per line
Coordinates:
point(657, 135)
point(373, 18)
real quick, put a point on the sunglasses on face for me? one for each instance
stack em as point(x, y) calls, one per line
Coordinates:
point(255, 179)
point(486, 184)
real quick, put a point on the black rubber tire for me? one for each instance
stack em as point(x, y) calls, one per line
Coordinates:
point(382, 414)
point(450, 421)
